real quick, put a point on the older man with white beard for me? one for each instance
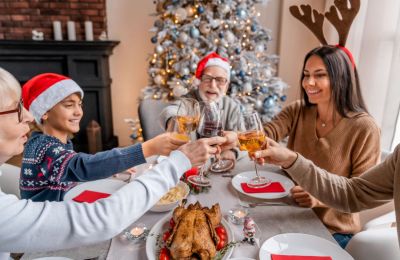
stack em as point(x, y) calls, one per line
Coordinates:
point(213, 72)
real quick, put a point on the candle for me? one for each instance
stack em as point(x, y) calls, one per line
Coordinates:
point(237, 215)
point(137, 231)
point(88, 30)
point(57, 31)
point(71, 31)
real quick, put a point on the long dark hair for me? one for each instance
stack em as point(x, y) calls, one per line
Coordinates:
point(345, 85)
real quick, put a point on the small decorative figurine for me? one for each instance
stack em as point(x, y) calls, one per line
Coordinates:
point(37, 35)
point(249, 230)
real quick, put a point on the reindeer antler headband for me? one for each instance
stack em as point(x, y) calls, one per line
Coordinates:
point(342, 25)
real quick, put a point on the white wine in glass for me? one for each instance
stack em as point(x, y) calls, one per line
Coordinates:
point(188, 115)
point(251, 138)
point(174, 128)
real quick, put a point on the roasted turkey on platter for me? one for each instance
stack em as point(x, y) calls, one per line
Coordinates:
point(194, 235)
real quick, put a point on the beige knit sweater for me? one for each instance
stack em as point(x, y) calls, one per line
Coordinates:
point(349, 149)
point(375, 187)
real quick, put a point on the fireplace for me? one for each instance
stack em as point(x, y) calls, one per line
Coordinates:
point(86, 62)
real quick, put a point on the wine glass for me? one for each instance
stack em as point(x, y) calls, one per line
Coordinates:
point(176, 130)
point(251, 138)
point(187, 116)
point(210, 125)
point(221, 165)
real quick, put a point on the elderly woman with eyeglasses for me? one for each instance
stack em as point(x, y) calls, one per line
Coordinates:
point(27, 226)
point(213, 72)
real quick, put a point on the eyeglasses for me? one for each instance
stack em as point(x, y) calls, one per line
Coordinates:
point(219, 80)
point(18, 110)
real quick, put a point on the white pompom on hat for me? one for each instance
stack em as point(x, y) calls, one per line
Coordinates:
point(46, 90)
point(213, 59)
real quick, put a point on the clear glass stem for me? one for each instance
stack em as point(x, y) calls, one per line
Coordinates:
point(256, 169)
point(201, 174)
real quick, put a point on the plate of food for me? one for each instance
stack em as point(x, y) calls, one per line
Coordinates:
point(297, 244)
point(244, 177)
point(169, 236)
point(172, 198)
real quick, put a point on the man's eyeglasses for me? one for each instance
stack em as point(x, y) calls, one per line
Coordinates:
point(18, 110)
point(219, 80)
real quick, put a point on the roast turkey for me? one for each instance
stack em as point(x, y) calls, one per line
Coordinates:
point(194, 233)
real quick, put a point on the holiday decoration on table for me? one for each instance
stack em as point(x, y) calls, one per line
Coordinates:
point(186, 30)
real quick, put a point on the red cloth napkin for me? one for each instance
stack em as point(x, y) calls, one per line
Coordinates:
point(299, 257)
point(90, 196)
point(193, 171)
point(273, 187)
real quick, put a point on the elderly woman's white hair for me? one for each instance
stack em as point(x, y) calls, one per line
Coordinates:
point(10, 89)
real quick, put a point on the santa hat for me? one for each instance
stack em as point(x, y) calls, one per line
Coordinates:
point(212, 59)
point(46, 90)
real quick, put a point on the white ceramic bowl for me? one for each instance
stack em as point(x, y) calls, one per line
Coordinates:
point(162, 207)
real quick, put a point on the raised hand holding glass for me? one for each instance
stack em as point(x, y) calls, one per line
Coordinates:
point(251, 138)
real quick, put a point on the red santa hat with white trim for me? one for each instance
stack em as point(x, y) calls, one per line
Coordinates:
point(212, 59)
point(46, 90)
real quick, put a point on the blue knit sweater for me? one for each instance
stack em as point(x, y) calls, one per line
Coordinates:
point(50, 168)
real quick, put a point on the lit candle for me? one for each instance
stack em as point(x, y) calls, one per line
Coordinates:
point(88, 30)
point(71, 31)
point(239, 213)
point(137, 231)
point(57, 31)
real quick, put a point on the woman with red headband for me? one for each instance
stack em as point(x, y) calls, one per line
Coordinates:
point(331, 127)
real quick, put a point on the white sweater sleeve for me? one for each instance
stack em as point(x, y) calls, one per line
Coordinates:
point(27, 226)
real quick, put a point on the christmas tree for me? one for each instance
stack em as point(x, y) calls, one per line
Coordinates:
point(187, 30)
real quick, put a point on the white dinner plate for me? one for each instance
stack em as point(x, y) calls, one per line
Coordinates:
point(162, 225)
point(302, 244)
point(274, 177)
point(105, 185)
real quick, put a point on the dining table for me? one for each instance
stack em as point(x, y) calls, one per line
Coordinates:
point(280, 216)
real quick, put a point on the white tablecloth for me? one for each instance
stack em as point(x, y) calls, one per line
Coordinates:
point(271, 220)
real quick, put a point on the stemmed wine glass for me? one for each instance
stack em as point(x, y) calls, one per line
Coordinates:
point(251, 138)
point(210, 125)
point(188, 115)
point(185, 120)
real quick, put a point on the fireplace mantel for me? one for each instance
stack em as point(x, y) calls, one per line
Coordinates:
point(86, 62)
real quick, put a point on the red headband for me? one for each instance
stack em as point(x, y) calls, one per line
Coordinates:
point(348, 54)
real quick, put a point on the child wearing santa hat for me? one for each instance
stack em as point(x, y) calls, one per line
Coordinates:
point(213, 74)
point(50, 166)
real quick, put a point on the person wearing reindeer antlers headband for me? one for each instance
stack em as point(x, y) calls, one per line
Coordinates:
point(330, 125)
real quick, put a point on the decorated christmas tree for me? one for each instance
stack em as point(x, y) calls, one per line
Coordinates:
point(187, 30)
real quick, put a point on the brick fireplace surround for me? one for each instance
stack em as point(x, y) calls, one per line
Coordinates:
point(86, 62)
point(19, 17)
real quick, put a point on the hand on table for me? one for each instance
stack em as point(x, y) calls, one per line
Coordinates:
point(303, 198)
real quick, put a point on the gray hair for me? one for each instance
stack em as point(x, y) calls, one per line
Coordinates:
point(9, 88)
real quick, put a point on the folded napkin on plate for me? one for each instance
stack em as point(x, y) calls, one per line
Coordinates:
point(299, 257)
point(90, 196)
point(273, 187)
